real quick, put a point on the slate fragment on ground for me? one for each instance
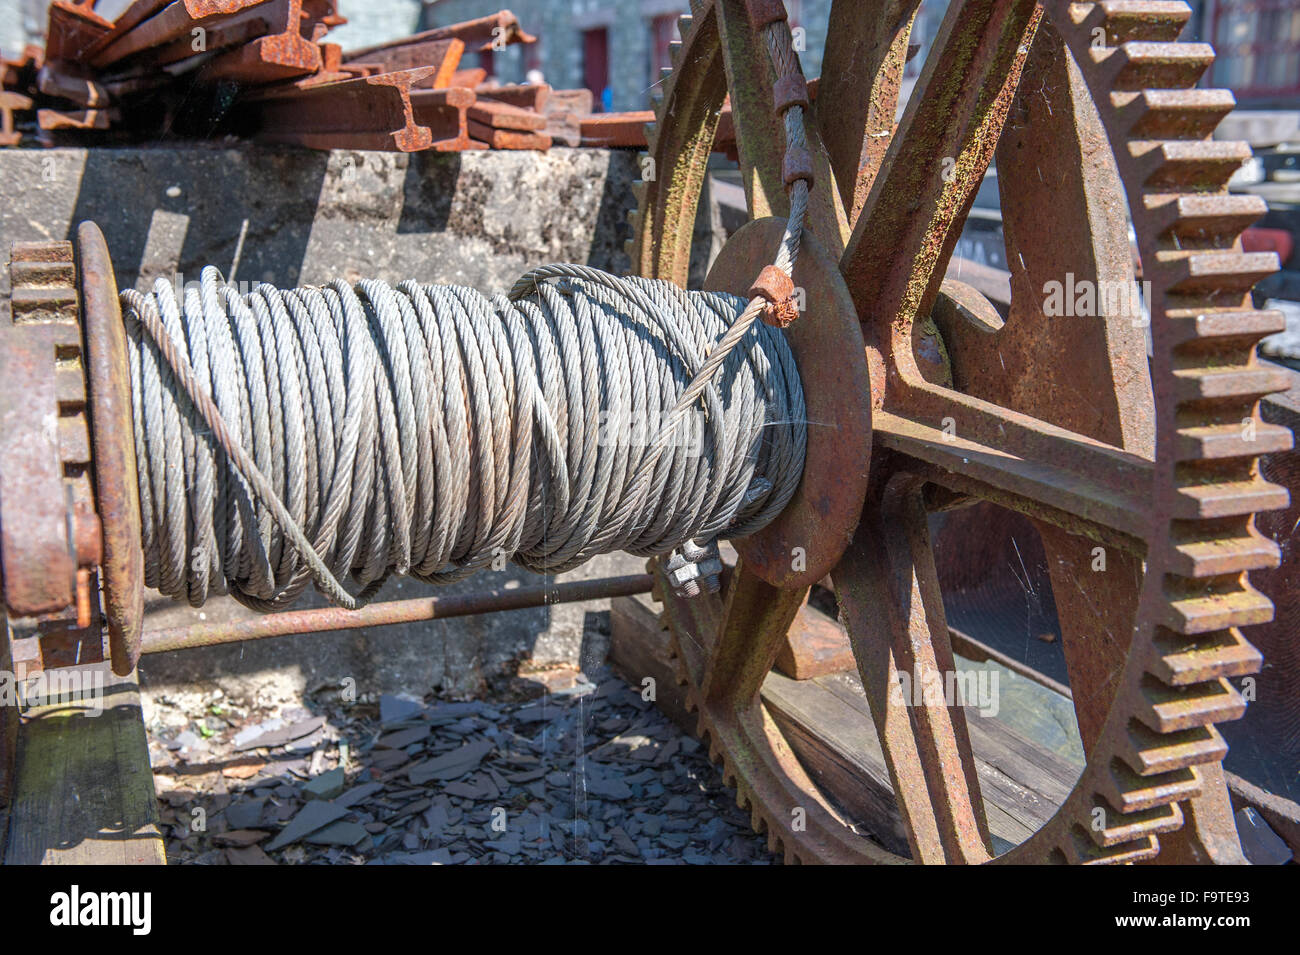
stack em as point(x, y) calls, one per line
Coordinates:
point(589, 774)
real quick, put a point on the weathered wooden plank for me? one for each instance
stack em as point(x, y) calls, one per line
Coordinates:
point(1017, 775)
point(83, 787)
point(841, 753)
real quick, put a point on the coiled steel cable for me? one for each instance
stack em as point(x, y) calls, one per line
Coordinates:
point(285, 436)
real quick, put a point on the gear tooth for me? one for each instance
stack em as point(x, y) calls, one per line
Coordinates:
point(1080, 849)
point(1154, 21)
point(1193, 608)
point(1178, 165)
point(675, 52)
point(1222, 654)
point(1172, 114)
point(685, 23)
point(638, 190)
point(1126, 827)
point(1167, 709)
point(1139, 65)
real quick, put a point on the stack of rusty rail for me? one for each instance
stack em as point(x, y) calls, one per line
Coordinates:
point(264, 70)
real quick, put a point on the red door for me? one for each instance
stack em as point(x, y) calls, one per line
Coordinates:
point(595, 66)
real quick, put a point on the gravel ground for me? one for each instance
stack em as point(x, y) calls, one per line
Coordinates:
point(587, 773)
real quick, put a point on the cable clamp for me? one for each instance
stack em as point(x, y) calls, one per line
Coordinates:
point(774, 285)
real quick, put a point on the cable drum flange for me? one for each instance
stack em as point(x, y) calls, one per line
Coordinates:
point(116, 493)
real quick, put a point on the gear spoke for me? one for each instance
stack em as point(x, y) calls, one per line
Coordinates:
point(857, 95)
point(892, 608)
point(919, 200)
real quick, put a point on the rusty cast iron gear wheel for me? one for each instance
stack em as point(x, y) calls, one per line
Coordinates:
point(1093, 116)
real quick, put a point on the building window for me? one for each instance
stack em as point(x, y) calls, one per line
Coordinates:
point(595, 67)
point(1258, 47)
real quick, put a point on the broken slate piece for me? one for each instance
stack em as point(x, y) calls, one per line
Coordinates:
point(508, 843)
point(623, 842)
point(246, 814)
point(389, 759)
point(450, 765)
point(341, 833)
point(537, 713)
point(250, 855)
point(284, 735)
point(239, 838)
point(614, 789)
point(326, 785)
point(1260, 844)
point(404, 738)
point(465, 790)
point(355, 795)
point(253, 732)
point(394, 707)
point(435, 820)
point(317, 814)
point(446, 712)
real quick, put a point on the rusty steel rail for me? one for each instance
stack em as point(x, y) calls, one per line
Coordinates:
point(392, 612)
point(484, 33)
point(373, 112)
point(11, 103)
point(170, 23)
point(73, 29)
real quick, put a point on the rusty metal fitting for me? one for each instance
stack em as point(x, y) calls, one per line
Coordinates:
point(797, 165)
point(765, 12)
point(695, 568)
point(774, 285)
point(790, 90)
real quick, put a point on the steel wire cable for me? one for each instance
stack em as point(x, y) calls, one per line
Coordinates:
point(285, 436)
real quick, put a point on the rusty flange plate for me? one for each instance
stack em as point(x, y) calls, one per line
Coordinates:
point(113, 437)
point(802, 545)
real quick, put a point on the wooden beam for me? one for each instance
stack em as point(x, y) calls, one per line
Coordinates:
point(83, 789)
